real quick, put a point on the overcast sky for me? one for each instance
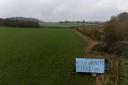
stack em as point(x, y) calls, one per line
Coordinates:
point(54, 10)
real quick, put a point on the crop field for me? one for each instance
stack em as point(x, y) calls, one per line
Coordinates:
point(43, 56)
point(64, 25)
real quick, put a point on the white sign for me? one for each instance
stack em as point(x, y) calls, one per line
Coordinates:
point(90, 65)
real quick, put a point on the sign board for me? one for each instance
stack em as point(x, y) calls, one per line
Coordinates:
point(90, 65)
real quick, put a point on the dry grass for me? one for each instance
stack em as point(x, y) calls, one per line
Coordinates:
point(123, 72)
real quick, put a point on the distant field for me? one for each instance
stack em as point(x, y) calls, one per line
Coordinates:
point(55, 24)
point(70, 25)
point(40, 57)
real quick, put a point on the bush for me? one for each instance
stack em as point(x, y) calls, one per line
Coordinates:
point(1, 21)
point(117, 28)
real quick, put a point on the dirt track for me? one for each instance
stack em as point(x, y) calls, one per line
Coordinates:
point(109, 77)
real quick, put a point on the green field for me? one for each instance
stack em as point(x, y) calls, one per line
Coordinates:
point(40, 57)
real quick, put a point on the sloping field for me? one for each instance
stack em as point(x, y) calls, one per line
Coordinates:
point(40, 57)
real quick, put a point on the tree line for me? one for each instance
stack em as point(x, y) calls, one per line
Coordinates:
point(20, 22)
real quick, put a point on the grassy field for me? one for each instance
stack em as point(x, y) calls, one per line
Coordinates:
point(40, 57)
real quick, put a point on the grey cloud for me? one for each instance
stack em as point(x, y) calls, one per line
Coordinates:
point(54, 10)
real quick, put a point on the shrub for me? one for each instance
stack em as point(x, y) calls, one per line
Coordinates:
point(117, 28)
